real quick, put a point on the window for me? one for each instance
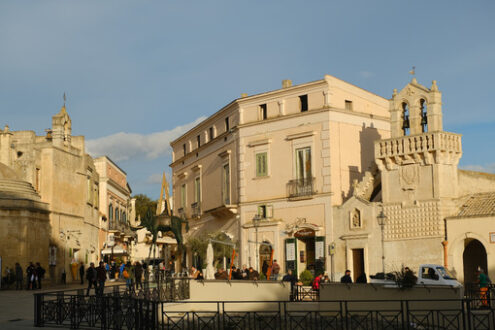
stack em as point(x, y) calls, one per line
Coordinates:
point(227, 125)
point(97, 196)
point(183, 195)
point(263, 113)
point(211, 134)
point(117, 214)
point(265, 211)
point(261, 164)
point(38, 179)
point(348, 105)
point(184, 149)
point(226, 184)
point(124, 217)
point(110, 212)
point(303, 164)
point(197, 190)
point(198, 139)
point(304, 102)
point(90, 191)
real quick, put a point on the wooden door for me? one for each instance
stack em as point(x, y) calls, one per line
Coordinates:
point(357, 263)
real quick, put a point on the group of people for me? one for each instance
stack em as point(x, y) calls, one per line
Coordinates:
point(34, 276)
point(347, 278)
point(242, 273)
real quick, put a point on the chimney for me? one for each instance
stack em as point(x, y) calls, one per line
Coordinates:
point(286, 83)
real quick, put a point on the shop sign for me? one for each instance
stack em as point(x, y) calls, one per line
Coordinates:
point(319, 249)
point(290, 251)
point(305, 232)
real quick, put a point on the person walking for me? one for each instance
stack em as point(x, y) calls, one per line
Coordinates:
point(81, 272)
point(264, 268)
point(128, 273)
point(483, 282)
point(19, 276)
point(138, 272)
point(101, 277)
point(91, 278)
point(347, 277)
point(31, 277)
point(275, 270)
point(292, 279)
point(40, 274)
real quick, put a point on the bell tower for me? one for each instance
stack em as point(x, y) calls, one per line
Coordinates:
point(419, 162)
point(62, 128)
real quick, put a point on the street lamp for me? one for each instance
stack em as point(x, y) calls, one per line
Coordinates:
point(382, 219)
point(256, 223)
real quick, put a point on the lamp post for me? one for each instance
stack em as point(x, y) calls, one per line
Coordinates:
point(382, 219)
point(256, 223)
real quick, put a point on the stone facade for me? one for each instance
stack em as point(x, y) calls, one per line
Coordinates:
point(116, 207)
point(332, 177)
point(291, 154)
point(64, 176)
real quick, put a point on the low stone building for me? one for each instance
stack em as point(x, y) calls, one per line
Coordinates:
point(24, 222)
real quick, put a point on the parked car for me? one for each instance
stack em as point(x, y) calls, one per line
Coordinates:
point(428, 274)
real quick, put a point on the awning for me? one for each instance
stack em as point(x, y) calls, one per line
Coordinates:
point(116, 250)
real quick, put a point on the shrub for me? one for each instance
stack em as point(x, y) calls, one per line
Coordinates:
point(306, 277)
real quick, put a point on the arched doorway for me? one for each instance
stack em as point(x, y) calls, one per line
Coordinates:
point(474, 257)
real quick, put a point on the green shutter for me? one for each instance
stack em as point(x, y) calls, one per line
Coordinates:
point(261, 164)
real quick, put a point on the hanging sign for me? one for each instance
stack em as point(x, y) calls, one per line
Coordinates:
point(305, 232)
point(319, 249)
point(290, 251)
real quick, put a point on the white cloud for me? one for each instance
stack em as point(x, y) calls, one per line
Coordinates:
point(124, 146)
point(488, 168)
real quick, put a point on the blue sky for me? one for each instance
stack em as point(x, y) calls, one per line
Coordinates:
point(139, 73)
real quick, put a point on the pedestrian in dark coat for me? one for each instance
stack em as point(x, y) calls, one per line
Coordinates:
point(101, 276)
point(40, 274)
point(347, 277)
point(81, 272)
point(138, 273)
point(91, 278)
point(31, 277)
point(19, 276)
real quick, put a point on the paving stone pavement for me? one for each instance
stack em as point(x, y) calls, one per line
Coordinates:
point(17, 306)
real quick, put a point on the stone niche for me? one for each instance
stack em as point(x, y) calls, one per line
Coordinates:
point(24, 222)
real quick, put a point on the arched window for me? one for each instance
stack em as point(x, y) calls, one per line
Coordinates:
point(424, 117)
point(110, 212)
point(117, 218)
point(405, 118)
point(124, 217)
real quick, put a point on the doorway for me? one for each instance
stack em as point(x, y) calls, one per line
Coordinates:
point(265, 254)
point(357, 263)
point(474, 257)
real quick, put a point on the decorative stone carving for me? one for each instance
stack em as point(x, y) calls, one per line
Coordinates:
point(355, 219)
point(409, 176)
point(364, 188)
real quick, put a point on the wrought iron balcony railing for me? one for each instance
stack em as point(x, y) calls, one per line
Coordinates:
point(300, 188)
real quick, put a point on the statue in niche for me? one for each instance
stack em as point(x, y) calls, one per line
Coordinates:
point(356, 219)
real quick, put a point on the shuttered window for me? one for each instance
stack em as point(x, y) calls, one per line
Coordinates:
point(261, 164)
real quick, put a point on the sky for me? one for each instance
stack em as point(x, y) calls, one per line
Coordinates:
point(138, 74)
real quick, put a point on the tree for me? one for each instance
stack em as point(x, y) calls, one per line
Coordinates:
point(143, 204)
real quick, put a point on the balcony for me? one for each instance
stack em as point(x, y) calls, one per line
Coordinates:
point(301, 188)
point(114, 227)
point(196, 210)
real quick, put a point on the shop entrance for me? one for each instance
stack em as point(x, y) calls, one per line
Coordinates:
point(474, 257)
point(265, 254)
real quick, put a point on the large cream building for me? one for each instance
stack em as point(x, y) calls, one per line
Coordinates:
point(318, 163)
point(286, 156)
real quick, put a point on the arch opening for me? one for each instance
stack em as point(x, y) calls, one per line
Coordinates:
point(474, 257)
point(424, 118)
point(405, 118)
